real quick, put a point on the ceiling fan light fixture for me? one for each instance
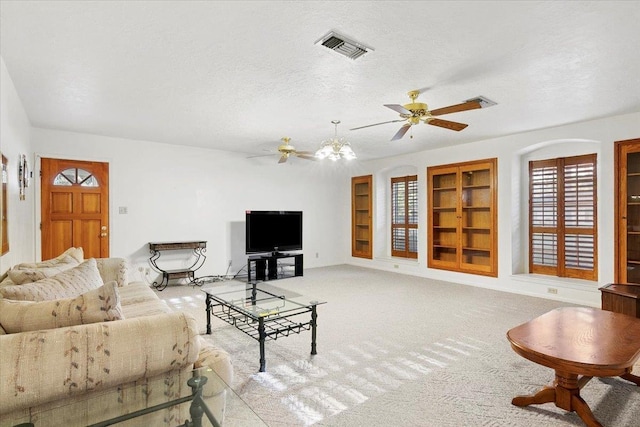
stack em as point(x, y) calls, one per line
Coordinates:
point(325, 150)
point(346, 152)
point(335, 148)
point(414, 112)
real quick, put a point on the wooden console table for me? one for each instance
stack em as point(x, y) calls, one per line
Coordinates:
point(578, 343)
point(198, 248)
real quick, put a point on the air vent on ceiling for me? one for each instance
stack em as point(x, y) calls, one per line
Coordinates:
point(484, 102)
point(341, 44)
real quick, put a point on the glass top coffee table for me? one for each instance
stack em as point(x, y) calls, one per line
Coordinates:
point(262, 312)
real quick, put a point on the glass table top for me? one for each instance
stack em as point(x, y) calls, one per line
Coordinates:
point(254, 301)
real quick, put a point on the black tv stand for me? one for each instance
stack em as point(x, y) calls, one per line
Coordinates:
point(270, 267)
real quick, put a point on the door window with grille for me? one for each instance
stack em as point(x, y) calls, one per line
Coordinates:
point(404, 216)
point(562, 217)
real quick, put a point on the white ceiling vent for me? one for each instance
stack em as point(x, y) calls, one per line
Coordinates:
point(343, 45)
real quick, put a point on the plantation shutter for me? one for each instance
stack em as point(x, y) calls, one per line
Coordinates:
point(404, 216)
point(562, 217)
point(543, 227)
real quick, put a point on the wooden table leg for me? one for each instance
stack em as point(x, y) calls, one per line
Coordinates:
point(545, 395)
point(584, 412)
point(565, 393)
point(630, 377)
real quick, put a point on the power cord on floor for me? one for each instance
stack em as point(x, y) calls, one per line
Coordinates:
point(220, 278)
point(199, 281)
point(240, 271)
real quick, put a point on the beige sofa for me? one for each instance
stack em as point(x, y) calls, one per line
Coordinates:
point(83, 374)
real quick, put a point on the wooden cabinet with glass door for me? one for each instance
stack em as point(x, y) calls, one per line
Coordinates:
point(462, 217)
point(627, 238)
point(361, 217)
point(443, 218)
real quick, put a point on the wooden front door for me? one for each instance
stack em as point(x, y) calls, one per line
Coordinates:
point(75, 207)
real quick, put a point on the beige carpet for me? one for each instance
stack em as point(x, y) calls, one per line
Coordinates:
point(396, 350)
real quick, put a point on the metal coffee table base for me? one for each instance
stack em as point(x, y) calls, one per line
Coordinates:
point(264, 327)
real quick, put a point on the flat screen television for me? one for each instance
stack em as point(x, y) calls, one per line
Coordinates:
point(273, 231)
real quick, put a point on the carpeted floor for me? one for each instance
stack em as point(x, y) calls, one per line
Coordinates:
point(402, 351)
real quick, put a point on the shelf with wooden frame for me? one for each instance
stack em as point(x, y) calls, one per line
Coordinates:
point(462, 217)
point(361, 216)
point(627, 211)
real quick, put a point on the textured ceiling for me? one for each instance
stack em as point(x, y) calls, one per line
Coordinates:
point(240, 75)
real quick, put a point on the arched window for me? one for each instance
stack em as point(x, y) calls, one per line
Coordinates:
point(75, 176)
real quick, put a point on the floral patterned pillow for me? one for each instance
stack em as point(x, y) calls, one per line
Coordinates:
point(29, 273)
point(77, 255)
point(68, 284)
point(98, 305)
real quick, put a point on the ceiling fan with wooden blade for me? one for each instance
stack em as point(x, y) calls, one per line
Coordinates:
point(287, 150)
point(416, 112)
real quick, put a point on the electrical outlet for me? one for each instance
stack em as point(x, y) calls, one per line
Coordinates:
point(317, 255)
point(552, 290)
point(396, 266)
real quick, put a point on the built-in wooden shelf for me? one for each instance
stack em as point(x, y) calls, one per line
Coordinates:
point(361, 216)
point(462, 236)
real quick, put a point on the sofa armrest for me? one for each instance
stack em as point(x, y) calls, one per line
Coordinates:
point(113, 269)
point(216, 359)
point(42, 366)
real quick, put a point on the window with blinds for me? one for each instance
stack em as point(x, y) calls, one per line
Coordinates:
point(404, 216)
point(562, 217)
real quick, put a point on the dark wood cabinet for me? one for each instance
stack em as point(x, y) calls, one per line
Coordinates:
point(621, 298)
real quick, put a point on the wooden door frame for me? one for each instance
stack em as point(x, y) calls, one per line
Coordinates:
point(38, 196)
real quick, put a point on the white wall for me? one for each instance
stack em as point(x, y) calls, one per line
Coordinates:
point(15, 141)
point(513, 153)
point(175, 193)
